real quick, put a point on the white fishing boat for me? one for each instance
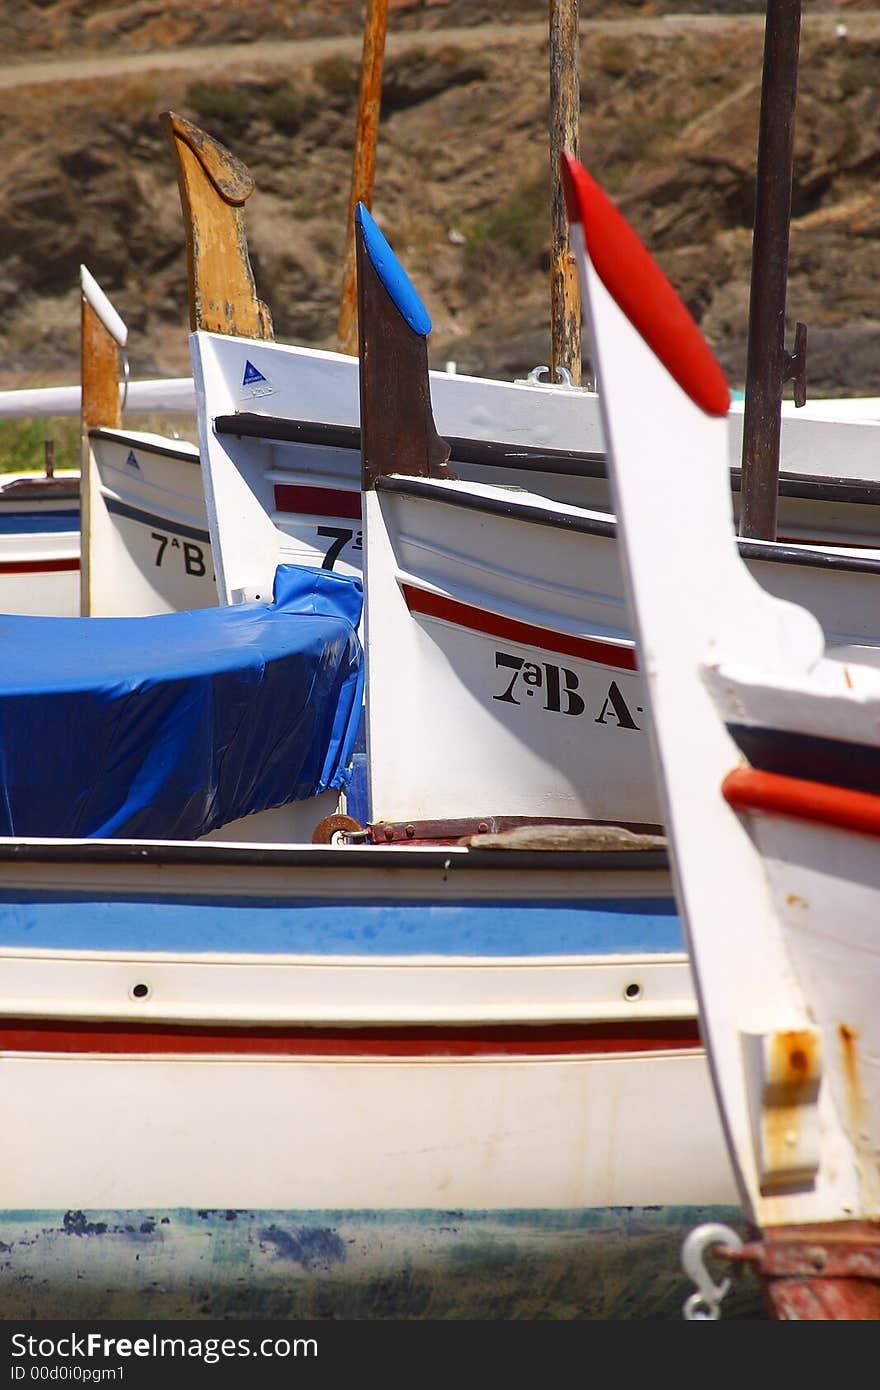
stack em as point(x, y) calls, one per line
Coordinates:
point(147, 548)
point(147, 536)
point(499, 615)
point(39, 543)
point(309, 1078)
point(766, 743)
point(289, 1078)
point(40, 524)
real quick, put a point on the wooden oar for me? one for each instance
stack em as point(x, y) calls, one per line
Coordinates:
point(214, 186)
point(363, 168)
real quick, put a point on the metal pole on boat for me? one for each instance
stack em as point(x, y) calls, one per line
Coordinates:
point(768, 364)
point(565, 299)
point(364, 165)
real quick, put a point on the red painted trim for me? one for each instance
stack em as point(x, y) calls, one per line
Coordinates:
point(37, 566)
point(318, 501)
point(512, 630)
point(641, 290)
point(747, 789)
point(112, 1039)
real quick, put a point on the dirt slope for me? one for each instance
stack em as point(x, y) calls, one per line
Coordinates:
point(669, 109)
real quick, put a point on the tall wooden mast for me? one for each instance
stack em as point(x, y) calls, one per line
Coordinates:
point(768, 364)
point(364, 164)
point(565, 300)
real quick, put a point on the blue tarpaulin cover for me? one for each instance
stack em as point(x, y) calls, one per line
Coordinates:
point(171, 726)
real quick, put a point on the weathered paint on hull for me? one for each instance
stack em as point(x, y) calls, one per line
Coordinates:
point(600, 1264)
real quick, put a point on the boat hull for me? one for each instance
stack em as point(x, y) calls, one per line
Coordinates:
point(415, 1064)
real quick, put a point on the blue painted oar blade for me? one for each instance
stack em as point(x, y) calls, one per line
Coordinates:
point(392, 274)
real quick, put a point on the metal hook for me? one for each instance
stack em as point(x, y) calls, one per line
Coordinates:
point(705, 1304)
point(794, 365)
point(537, 372)
point(564, 375)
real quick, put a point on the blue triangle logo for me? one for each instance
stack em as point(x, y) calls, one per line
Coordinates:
point(132, 461)
point(251, 375)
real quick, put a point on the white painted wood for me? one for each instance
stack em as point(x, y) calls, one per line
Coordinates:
point(30, 583)
point(465, 723)
point(327, 1133)
point(310, 385)
point(434, 1132)
point(586, 759)
point(174, 395)
point(347, 990)
point(109, 317)
point(149, 539)
point(781, 916)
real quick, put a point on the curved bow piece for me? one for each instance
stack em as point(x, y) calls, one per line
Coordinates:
point(214, 186)
point(398, 433)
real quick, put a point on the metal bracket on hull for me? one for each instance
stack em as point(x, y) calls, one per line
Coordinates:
point(783, 1071)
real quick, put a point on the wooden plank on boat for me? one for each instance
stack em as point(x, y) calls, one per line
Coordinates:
point(580, 837)
point(214, 186)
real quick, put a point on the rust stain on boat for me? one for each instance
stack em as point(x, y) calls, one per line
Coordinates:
point(855, 1100)
point(795, 1057)
point(795, 1066)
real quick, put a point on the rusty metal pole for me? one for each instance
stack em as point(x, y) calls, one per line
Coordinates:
point(565, 299)
point(766, 362)
point(364, 165)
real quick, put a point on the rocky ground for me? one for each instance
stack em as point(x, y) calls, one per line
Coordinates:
point(669, 111)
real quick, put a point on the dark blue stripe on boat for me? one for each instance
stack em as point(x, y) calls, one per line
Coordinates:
point(36, 523)
point(832, 761)
point(175, 528)
point(357, 802)
point(372, 927)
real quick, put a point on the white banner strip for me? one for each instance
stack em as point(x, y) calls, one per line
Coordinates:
point(174, 395)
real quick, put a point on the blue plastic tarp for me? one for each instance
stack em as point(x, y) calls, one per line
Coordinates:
point(168, 727)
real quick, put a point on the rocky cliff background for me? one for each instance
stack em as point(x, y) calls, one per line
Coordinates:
point(669, 114)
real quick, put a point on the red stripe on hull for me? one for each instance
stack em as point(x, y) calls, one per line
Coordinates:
point(37, 566)
point(318, 501)
point(547, 1041)
point(770, 793)
point(512, 630)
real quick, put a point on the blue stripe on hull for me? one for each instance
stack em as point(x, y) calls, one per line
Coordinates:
point(532, 927)
point(38, 523)
point(164, 523)
point(155, 1264)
